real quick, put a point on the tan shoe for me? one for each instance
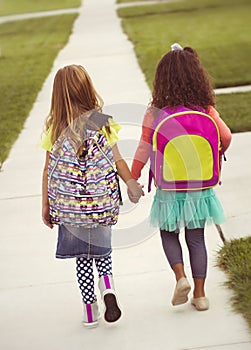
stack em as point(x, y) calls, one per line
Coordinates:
point(201, 304)
point(181, 291)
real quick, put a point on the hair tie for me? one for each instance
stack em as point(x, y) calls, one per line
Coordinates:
point(176, 46)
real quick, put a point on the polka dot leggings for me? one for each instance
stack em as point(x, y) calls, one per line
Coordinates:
point(85, 276)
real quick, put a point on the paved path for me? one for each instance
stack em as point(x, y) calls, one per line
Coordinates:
point(142, 3)
point(22, 16)
point(39, 299)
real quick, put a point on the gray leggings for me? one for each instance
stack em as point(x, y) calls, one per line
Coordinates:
point(196, 246)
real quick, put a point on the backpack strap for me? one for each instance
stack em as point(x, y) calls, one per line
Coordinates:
point(150, 179)
point(97, 120)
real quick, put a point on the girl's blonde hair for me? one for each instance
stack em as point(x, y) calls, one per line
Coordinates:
point(73, 94)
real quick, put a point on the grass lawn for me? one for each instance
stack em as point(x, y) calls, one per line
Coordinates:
point(220, 31)
point(9, 7)
point(235, 110)
point(122, 1)
point(235, 259)
point(25, 62)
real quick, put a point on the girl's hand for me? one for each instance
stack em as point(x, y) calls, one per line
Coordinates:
point(46, 216)
point(134, 190)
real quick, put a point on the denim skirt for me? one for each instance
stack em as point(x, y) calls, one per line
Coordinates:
point(74, 242)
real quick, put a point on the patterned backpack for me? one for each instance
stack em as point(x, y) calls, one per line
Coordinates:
point(186, 150)
point(84, 190)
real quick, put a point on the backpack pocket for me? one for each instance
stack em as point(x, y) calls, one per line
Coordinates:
point(188, 158)
point(81, 208)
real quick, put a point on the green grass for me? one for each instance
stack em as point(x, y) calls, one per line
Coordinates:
point(8, 7)
point(122, 1)
point(176, 6)
point(235, 259)
point(220, 30)
point(25, 62)
point(235, 110)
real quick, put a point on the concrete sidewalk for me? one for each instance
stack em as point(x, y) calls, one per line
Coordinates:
point(39, 297)
point(23, 16)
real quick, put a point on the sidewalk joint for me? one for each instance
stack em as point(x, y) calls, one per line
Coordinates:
point(217, 345)
point(30, 15)
point(21, 197)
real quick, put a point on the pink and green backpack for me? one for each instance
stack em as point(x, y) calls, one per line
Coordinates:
point(186, 150)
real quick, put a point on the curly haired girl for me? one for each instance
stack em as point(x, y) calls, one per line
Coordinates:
point(181, 81)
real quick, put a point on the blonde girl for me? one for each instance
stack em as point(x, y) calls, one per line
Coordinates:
point(73, 95)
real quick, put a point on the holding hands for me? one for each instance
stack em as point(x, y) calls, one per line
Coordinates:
point(134, 190)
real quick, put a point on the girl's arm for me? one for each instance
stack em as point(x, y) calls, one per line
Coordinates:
point(45, 201)
point(225, 133)
point(143, 150)
point(134, 190)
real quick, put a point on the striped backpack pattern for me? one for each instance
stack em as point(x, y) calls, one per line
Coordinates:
point(83, 191)
point(186, 150)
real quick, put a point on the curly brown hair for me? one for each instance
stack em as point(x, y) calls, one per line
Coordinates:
point(180, 79)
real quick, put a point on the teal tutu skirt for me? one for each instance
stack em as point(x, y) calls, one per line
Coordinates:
point(174, 210)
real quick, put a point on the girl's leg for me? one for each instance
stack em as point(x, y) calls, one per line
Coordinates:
point(84, 269)
point(198, 259)
point(106, 286)
point(85, 278)
point(172, 248)
point(173, 251)
point(104, 266)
